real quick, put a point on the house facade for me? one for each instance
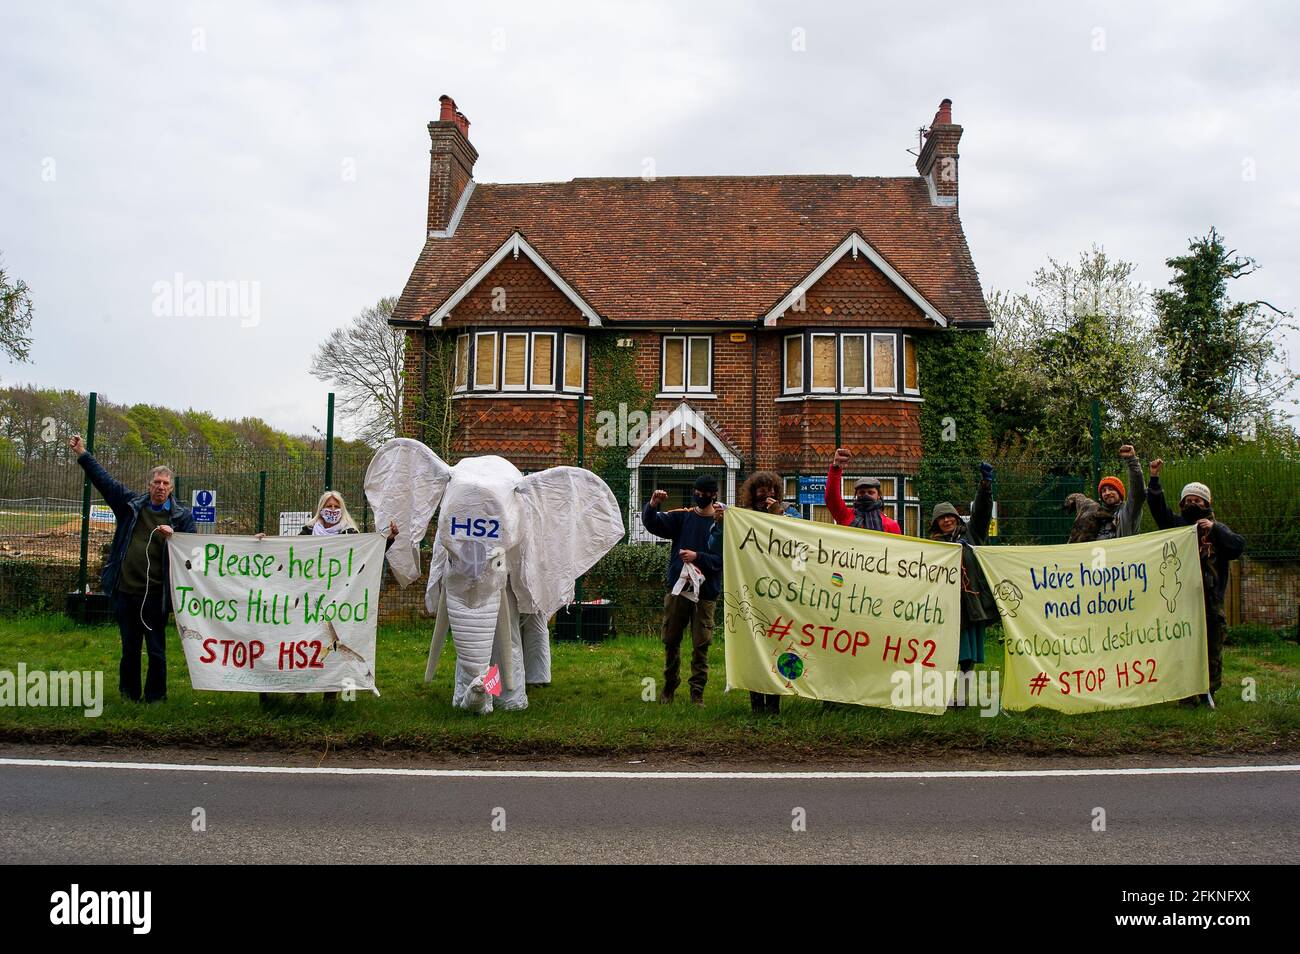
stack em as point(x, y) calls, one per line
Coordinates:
point(757, 322)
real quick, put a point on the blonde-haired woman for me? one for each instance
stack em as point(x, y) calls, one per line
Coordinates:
point(331, 517)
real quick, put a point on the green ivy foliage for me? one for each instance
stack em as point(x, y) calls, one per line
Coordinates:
point(953, 369)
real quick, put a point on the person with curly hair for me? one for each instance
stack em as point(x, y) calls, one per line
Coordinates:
point(761, 492)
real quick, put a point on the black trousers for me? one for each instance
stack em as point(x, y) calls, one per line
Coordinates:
point(142, 625)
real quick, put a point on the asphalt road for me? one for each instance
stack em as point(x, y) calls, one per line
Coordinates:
point(76, 814)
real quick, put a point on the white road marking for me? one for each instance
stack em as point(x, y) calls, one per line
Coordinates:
point(614, 774)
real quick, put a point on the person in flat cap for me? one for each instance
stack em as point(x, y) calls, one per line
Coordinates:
point(868, 510)
point(694, 581)
point(1219, 546)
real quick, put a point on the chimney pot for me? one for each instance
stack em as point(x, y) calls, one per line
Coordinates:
point(448, 112)
point(944, 116)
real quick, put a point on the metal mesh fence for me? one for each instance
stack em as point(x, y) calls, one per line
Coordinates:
point(40, 514)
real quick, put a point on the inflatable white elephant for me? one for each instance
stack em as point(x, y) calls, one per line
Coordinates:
point(506, 544)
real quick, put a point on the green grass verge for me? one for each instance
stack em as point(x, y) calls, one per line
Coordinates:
point(594, 708)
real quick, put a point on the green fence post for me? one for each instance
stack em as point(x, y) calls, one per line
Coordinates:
point(329, 443)
point(838, 441)
point(84, 571)
point(582, 462)
point(1096, 442)
point(261, 501)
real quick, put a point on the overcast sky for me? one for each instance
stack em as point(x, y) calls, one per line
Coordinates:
point(284, 145)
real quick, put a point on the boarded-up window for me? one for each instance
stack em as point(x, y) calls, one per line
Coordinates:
point(855, 362)
point(912, 523)
point(699, 364)
point(823, 362)
point(462, 361)
point(674, 364)
point(485, 360)
point(821, 514)
point(887, 487)
point(882, 363)
point(514, 369)
point(909, 363)
point(794, 364)
point(543, 362)
point(792, 488)
point(573, 362)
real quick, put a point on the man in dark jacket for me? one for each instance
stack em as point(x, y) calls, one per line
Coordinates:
point(1121, 509)
point(692, 603)
point(135, 573)
point(1219, 546)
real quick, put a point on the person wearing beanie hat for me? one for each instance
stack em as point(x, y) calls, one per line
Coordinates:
point(977, 606)
point(1219, 546)
point(867, 511)
point(689, 530)
point(1120, 510)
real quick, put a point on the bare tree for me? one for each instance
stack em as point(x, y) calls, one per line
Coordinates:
point(363, 362)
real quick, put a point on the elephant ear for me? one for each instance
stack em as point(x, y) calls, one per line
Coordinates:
point(569, 519)
point(404, 484)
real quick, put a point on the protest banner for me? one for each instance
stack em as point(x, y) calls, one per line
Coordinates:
point(282, 614)
point(1107, 625)
point(839, 614)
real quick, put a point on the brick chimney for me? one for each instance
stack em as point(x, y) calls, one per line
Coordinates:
point(938, 159)
point(451, 163)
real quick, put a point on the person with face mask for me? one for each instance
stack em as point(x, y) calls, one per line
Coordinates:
point(1121, 510)
point(330, 519)
point(691, 596)
point(867, 511)
point(978, 608)
point(1219, 546)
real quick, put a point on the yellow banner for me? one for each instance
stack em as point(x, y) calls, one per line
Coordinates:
point(835, 613)
point(1106, 625)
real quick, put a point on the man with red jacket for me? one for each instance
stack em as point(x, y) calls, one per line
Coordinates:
point(867, 511)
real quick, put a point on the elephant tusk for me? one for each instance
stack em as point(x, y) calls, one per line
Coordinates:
point(440, 627)
point(507, 637)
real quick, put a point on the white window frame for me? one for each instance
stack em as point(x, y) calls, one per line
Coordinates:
point(663, 365)
point(506, 335)
point(803, 361)
point(685, 387)
point(893, 336)
point(469, 371)
point(812, 357)
point(866, 364)
point(532, 344)
point(582, 364)
point(475, 384)
point(903, 370)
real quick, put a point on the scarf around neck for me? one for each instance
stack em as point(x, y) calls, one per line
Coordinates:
point(866, 515)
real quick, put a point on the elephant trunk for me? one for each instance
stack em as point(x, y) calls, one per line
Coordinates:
point(473, 629)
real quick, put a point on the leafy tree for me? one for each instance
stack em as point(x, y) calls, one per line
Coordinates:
point(1081, 331)
point(1228, 372)
point(15, 317)
point(363, 361)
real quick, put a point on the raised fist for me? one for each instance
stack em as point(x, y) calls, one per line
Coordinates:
point(841, 457)
point(1155, 466)
point(658, 497)
point(1126, 451)
point(78, 445)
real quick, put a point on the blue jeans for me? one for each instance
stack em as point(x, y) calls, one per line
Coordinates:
point(152, 632)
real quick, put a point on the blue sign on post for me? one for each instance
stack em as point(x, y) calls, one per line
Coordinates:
point(204, 506)
point(812, 490)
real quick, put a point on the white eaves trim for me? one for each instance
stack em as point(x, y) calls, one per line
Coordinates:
point(450, 230)
point(513, 246)
point(683, 414)
point(854, 244)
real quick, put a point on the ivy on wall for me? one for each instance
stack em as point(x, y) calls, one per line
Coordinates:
point(612, 382)
point(436, 416)
point(953, 370)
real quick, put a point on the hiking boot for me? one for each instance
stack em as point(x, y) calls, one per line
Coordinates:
point(665, 698)
point(697, 701)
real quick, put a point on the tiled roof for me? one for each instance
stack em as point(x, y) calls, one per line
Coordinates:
point(703, 248)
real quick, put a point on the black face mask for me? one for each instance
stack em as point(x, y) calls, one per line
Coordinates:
point(1195, 513)
point(866, 504)
point(703, 500)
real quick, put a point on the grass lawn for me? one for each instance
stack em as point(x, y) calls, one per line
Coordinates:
point(594, 707)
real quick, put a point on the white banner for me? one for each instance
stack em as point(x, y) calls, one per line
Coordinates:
point(282, 614)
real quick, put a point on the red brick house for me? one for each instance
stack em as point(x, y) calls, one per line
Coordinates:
point(759, 309)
